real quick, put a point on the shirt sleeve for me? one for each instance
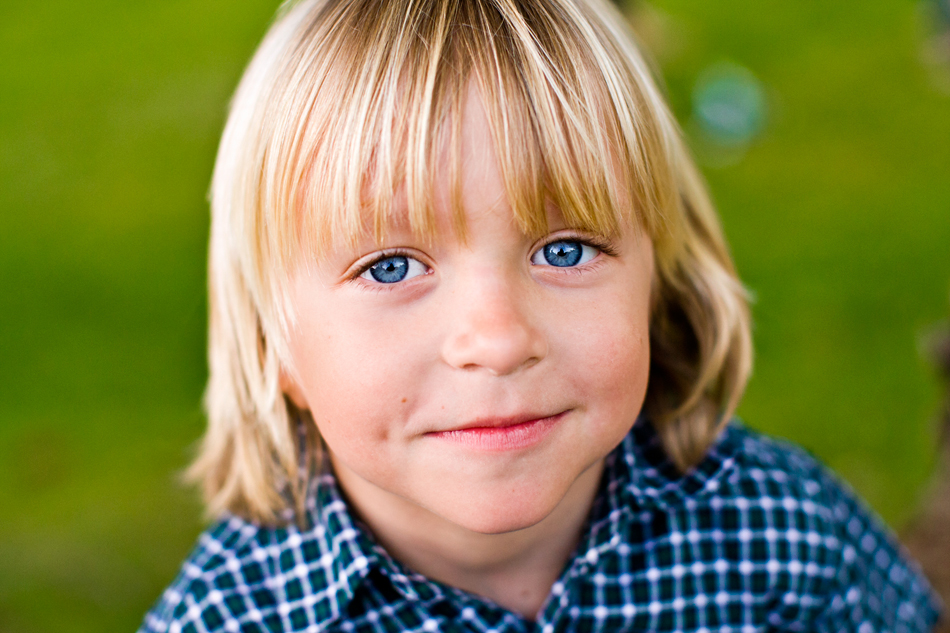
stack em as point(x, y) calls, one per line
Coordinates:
point(878, 588)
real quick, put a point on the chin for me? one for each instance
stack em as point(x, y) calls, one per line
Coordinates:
point(496, 516)
point(499, 525)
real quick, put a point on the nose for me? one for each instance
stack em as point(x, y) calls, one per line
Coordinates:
point(493, 328)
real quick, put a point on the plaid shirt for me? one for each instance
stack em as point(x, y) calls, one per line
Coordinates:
point(758, 537)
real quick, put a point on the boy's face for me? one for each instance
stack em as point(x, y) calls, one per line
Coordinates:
point(478, 381)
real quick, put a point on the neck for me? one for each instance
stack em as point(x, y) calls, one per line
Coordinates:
point(513, 569)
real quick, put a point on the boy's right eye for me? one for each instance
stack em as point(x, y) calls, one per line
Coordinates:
point(393, 269)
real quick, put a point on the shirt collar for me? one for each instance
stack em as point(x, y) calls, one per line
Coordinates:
point(639, 479)
point(351, 554)
point(652, 480)
point(355, 556)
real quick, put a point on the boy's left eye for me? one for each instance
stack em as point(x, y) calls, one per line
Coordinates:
point(564, 254)
point(393, 269)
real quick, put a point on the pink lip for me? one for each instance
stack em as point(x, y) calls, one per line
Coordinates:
point(505, 434)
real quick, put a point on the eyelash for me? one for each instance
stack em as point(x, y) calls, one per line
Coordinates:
point(384, 255)
point(601, 244)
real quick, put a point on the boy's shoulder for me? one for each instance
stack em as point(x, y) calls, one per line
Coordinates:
point(768, 466)
point(761, 525)
point(227, 574)
point(780, 475)
point(249, 577)
point(742, 463)
point(752, 485)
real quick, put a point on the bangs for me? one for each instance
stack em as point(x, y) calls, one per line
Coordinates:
point(369, 102)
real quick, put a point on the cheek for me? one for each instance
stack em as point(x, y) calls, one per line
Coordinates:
point(613, 357)
point(332, 357)
point(326, 360)
point(624, 363)
point(349, 375)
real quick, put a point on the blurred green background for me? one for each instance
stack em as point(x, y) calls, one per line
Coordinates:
point(834, 191)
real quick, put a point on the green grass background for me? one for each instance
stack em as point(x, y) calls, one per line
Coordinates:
point(839, 218)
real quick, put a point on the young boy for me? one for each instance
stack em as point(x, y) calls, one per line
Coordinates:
point(475, 339)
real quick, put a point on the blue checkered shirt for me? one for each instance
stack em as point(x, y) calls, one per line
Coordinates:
point(758, 537)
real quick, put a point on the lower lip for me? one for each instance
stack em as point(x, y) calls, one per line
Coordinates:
point(503, 438)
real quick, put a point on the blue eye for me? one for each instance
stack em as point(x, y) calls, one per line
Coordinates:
point(564, 254)
point(394, 269)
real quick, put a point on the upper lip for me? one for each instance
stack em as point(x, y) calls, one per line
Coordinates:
point(500, 422)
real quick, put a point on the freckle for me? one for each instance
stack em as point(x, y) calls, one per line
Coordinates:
point(403, 399)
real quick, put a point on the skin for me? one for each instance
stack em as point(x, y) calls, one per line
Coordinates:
point(402, 378)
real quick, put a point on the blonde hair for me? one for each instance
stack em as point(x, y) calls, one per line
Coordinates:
point(346, 100)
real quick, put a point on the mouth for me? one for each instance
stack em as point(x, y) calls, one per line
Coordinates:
point(501, 434)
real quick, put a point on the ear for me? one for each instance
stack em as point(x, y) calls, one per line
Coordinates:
point(290, 387)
